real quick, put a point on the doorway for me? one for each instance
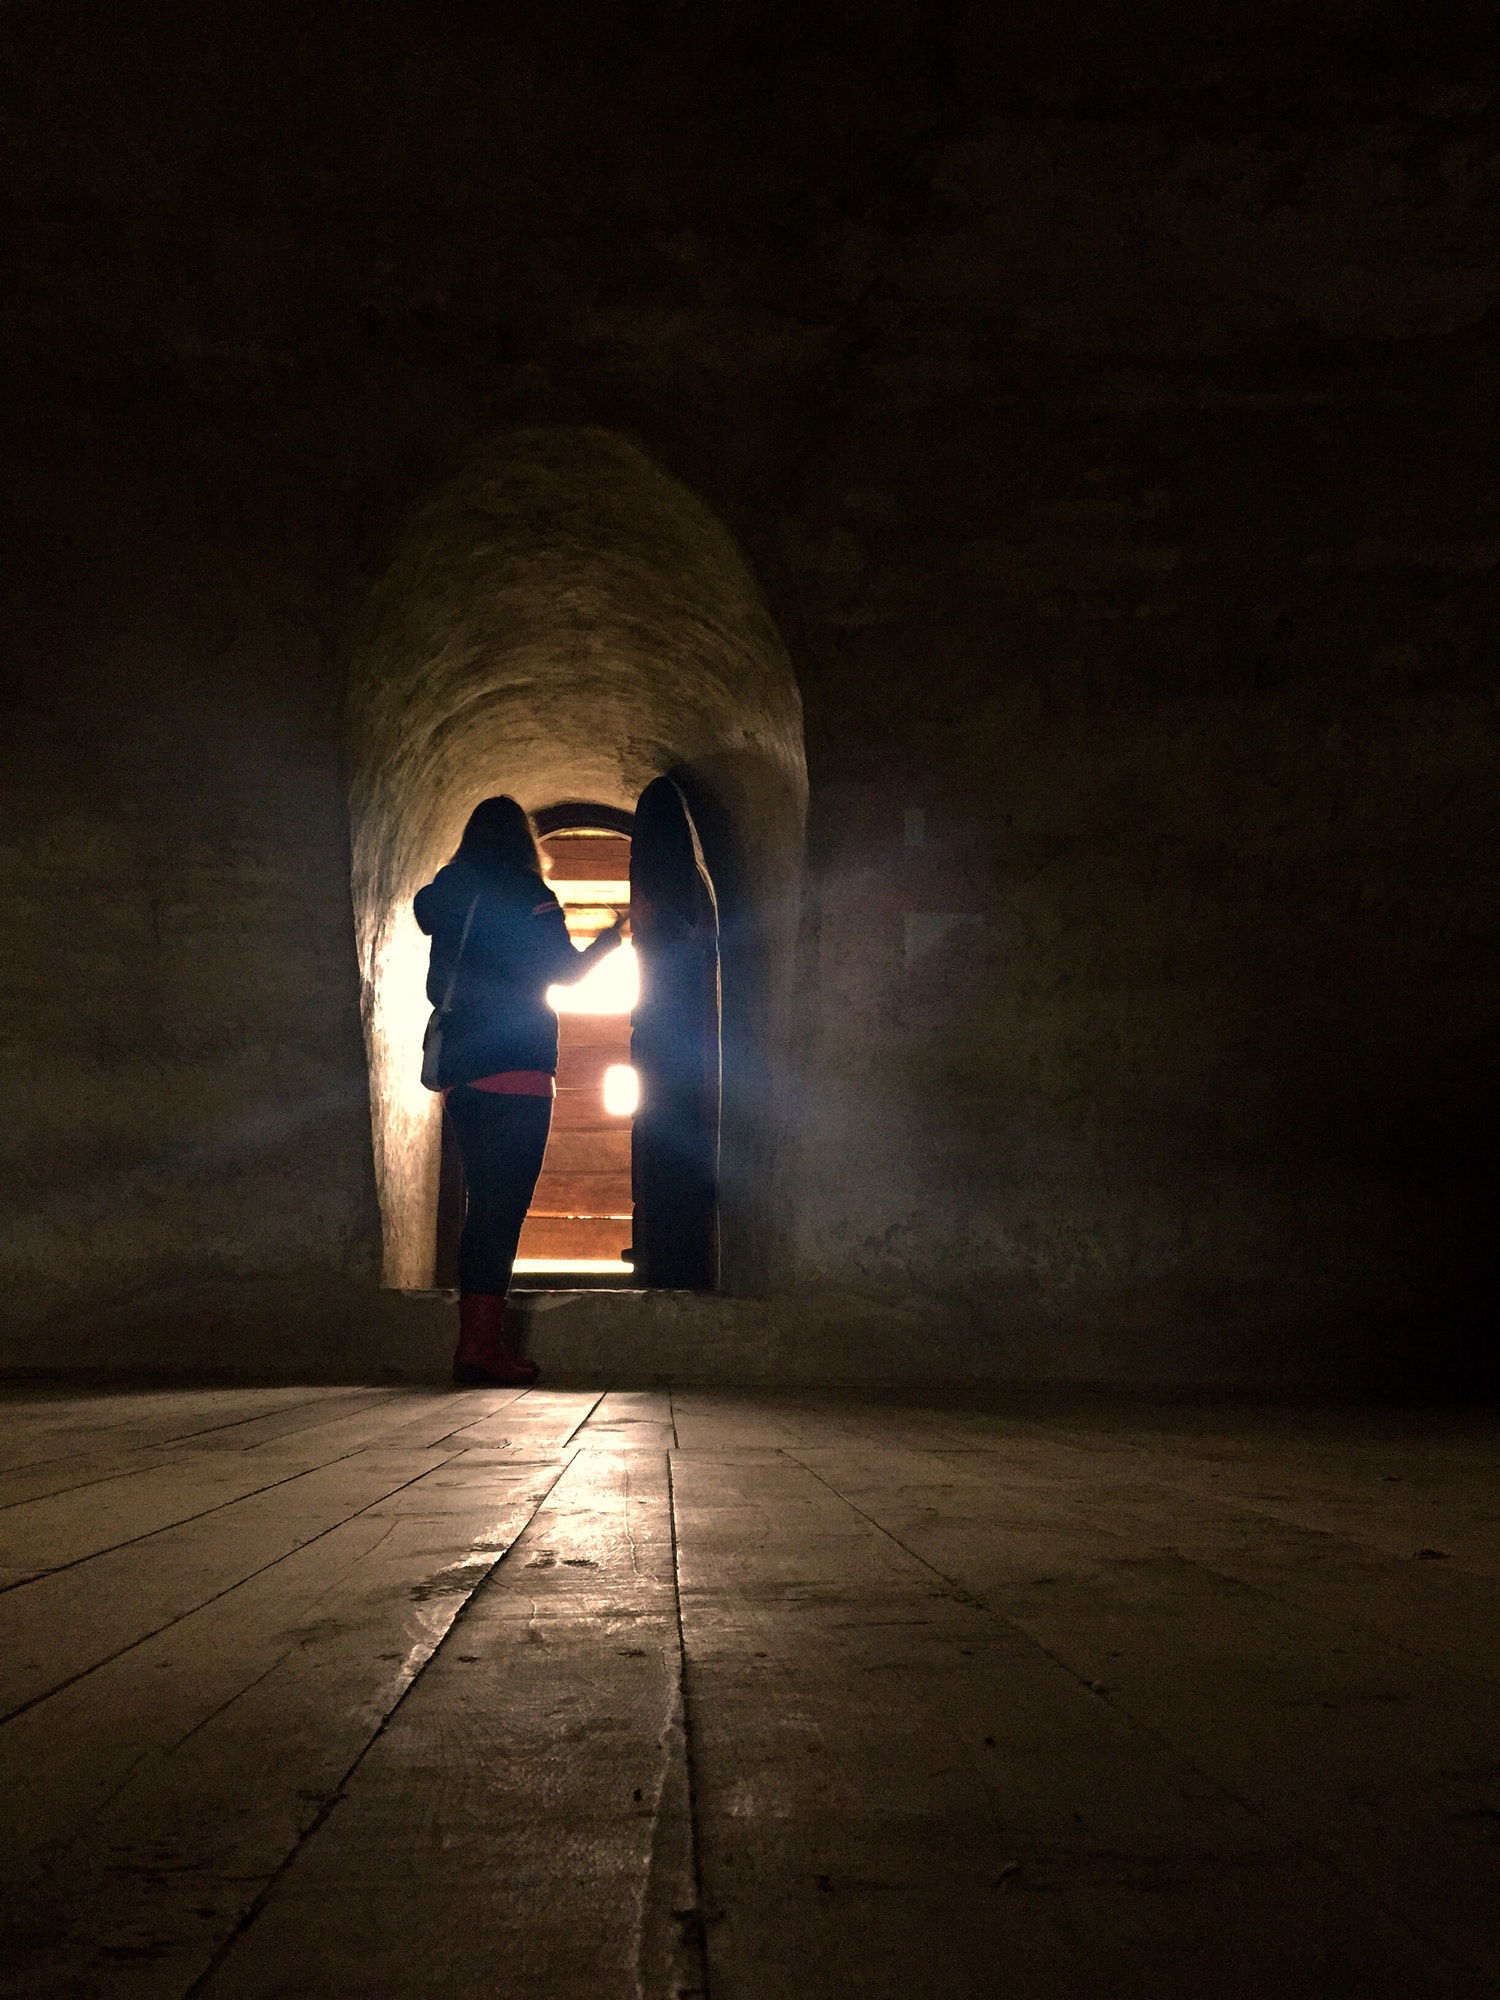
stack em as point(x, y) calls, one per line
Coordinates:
point(629, 1187)
point(579, 1224)
point(578, 1229)
point(564, 621)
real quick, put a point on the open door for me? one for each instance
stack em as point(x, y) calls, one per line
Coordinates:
point(674, 1047)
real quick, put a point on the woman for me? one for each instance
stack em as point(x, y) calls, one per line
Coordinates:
point(499, 941)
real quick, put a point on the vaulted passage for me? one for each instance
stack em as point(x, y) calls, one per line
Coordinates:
point(566, 623)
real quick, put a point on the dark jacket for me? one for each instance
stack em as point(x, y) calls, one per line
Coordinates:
point(518, 946)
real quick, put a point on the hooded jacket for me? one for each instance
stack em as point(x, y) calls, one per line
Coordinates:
point(518, 946)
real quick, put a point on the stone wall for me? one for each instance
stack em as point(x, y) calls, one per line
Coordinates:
point(1104, 410)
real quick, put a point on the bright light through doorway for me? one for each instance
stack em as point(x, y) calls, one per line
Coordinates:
point(581, 1267)
point(613, 987)
point(622, 1090)
point(579, 1223)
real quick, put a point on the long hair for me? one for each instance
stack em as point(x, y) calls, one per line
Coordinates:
point(500, 834)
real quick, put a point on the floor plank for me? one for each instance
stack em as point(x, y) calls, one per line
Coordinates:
point(630, 1420)
point(522, 1825)
point(545, 1417)
point(66, 1528)
point(1325, 1729)
point(34, 1431)
point(149, 1842)
point(877, 1754)
point(208, 1471)
point(62, 1625)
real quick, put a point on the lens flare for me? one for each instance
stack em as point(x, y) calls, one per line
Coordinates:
point(622, 1090)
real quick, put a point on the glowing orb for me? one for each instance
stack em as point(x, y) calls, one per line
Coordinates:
point(622, 1090)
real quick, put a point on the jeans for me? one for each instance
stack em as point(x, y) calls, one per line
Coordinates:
point(501, 1141)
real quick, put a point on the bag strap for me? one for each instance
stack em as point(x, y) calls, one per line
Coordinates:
point(458, 958)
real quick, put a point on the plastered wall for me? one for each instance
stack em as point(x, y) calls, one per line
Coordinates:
point(1103, 412)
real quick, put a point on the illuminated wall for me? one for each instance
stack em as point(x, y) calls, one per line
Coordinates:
point(566, 622)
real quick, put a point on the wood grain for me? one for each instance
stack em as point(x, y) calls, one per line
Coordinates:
point(337, 1692)
point(534, 1785)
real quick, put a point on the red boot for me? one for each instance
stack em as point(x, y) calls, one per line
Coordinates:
point(483, 1355)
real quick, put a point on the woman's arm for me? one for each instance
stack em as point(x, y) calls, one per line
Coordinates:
point(585, 960)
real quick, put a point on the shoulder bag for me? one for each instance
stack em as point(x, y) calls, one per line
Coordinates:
point(432, 1040)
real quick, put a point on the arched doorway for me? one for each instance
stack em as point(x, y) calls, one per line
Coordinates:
point(629, 1188)
point(565, 622)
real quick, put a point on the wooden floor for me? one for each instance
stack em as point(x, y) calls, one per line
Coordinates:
point(388, 1693)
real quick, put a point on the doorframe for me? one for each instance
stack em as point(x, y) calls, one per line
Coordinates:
point(579, 815)
point(661, 1219)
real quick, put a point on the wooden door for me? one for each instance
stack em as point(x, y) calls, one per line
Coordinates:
point(674, 1047)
